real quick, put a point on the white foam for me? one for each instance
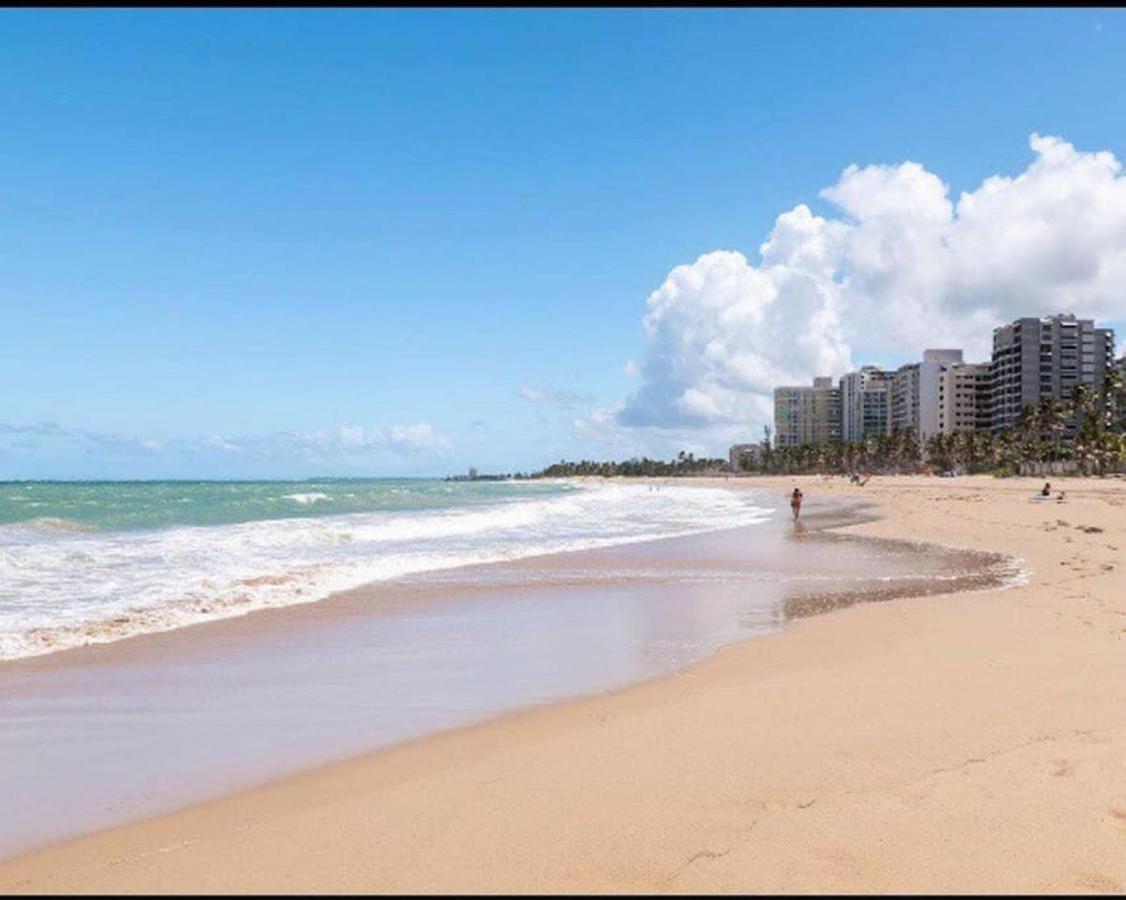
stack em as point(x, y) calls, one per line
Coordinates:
point(306, 499)
point(62, 589)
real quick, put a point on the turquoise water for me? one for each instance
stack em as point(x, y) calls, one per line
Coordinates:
point(112, 505)
point(90, 562)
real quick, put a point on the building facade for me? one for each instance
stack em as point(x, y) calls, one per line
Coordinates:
point(915, 392)
point(1037, 358)
point(807, 414)
point(865, 403)
point(737, 454)
point(964, 398)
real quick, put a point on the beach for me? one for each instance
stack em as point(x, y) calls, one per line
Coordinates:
point(946, 741)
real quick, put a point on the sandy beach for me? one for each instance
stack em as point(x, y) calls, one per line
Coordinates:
point(949, 742)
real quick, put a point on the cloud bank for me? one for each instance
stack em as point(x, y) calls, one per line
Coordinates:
point(900, 267)
point(347, 447)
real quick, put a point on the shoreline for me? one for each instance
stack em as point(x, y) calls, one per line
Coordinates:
point(83, 863)
point(263, 546)
point(91, 653)
point(785, 574)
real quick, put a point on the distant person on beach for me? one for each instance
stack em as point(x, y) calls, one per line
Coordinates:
point(1047, 490)
point(795, 503)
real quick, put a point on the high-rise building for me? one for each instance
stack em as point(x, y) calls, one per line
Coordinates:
point(914, 392)
point(865, 403)
point(964, 398)
point(1034, 358)
point(807, 414)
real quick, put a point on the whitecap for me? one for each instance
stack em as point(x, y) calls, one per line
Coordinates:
point(306, 499)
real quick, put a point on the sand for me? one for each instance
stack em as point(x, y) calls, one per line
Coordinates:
point(952, 742)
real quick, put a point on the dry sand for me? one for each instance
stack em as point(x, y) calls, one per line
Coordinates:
point(966, 742)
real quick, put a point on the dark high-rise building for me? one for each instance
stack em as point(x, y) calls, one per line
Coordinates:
point(1034, 358)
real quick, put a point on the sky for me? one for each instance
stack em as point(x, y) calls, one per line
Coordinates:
point(293, 243)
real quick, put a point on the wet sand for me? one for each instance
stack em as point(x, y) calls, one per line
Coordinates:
point(951, 741)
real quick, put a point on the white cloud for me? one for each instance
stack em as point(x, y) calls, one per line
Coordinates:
point(721, 332)
point(418, 437)
point(49, 435)
point(352, 436)
point(902, 267)
point(631, 368)
point(554, 396)
point(226, 446)
point(355, 443)
point(347, 445)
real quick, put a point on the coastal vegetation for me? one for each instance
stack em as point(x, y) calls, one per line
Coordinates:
point(684, 464)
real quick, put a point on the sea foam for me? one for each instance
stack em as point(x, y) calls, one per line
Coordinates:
point(306, 499)
point(63, 588)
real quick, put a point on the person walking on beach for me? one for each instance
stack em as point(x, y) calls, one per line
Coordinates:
point(795, 503)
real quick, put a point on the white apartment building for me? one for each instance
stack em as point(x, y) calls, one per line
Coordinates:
point(807, 414)
point(915, 393)
point(738, 453)
point(964, 398)
point(865, 403)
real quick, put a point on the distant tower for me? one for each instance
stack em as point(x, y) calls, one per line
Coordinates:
point(472, 474)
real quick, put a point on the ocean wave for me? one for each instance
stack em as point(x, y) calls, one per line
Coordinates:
point(306, 499)
point(79, 588)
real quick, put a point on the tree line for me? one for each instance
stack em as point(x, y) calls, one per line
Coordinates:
point(684, 464)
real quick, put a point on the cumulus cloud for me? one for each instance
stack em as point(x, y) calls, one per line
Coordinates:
point(900, 267)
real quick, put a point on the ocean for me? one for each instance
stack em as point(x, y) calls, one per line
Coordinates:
point(92, 562)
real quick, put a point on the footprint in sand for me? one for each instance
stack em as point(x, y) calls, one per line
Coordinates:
point(1062, 768)
point(1094, 881)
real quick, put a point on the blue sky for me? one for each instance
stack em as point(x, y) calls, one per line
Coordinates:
point(227, 235)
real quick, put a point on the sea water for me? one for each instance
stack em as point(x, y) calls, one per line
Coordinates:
point(92, 562)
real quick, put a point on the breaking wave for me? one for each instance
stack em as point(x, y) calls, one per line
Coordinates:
point(62, 586)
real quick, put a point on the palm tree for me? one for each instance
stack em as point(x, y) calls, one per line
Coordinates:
point(1090, 427)
point(1113, 399)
